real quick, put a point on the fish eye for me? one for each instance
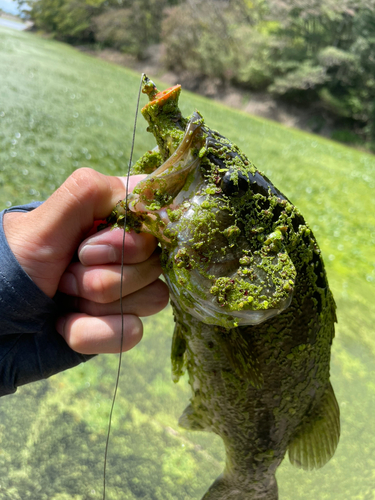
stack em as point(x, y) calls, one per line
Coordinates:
point(232, 188)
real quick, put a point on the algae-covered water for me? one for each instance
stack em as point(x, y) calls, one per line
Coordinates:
point(61, 110)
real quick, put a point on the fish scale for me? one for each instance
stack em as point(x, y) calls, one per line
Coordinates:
point(254, 316)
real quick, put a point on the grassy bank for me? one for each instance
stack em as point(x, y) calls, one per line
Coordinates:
point(61, 110)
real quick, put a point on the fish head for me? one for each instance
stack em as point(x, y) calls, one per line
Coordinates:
point(217, 219)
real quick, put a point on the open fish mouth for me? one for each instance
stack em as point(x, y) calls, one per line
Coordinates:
point(198, 204)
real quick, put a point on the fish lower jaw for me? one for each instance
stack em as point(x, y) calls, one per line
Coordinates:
point(231, 319)
point(212, 314)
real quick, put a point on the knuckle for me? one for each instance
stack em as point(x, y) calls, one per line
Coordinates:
point(99, 290)
point(84, 181)
point(82, 177)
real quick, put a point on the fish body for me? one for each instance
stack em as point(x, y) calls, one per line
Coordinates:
point(254, 315)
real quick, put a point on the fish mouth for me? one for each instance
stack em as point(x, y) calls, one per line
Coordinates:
point(221, 294)
point(208, 311)
point(171, 203)
point(218, 292)
point(158, 190)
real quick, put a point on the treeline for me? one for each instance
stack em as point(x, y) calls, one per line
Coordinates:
point(127, 25)
point(319, 52)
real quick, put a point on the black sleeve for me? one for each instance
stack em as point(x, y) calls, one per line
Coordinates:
point(30, 347)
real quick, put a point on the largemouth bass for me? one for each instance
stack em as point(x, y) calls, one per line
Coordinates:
point(254, 316)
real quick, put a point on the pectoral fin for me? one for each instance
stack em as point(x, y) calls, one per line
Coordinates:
point(316, 441)
point(191, 420)
point(241, 357)
point(178, 351)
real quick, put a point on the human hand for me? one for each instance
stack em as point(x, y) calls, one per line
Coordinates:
point(45, 240)
point(94, 286)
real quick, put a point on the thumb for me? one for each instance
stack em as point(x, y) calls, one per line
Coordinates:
point(68, 214)
point(45, 239)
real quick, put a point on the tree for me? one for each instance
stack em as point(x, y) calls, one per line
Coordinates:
point(68, 20)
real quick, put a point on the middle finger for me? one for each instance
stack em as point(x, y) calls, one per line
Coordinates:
point(102, 283)
point(145, 302)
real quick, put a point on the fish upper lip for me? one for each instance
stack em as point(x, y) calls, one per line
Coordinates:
point(170, 177)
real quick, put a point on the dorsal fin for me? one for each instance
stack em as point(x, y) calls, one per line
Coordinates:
point(317, 439)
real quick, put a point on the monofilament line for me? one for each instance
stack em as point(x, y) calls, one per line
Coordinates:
point(121, 290)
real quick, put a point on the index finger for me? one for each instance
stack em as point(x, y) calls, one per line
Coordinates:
point(105, 247)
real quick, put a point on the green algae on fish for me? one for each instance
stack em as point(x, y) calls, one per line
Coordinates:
point(253, 311)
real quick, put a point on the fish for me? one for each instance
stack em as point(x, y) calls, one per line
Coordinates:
point(254, 314)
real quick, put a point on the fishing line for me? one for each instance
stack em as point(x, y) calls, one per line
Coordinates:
point(121, 290)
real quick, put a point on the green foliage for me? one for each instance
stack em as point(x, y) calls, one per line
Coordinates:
point(131, 29)
point(130, 26)
point(257, 50)
point(345, 136)
point(220, 39)
point(196, 31)
point(304, 78)
point(308, 51)
point(113, 28)
point(331, 57)
point(66, 19)
point(336, 67)
point(60, 110)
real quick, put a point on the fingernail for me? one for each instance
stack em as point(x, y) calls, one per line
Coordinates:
point(91, 255)
point(68, 284)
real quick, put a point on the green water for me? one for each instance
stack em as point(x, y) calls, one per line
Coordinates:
point(61, 110)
